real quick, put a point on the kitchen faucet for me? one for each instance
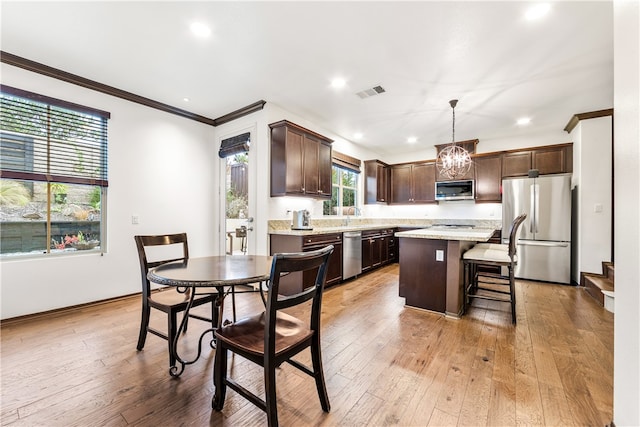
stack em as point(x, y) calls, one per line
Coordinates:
point(355, 212)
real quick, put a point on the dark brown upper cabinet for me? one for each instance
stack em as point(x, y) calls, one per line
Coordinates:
point(558, 159)
point(376, 184)
point(300, 161)
point(516, 163)
point(488, 176)
point(468, 175)
point(413, 183)
point(547, 159)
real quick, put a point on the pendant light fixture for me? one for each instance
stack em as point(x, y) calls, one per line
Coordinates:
point(453, 161)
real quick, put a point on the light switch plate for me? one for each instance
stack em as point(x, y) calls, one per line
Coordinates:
point(135, 219)
point(439, 255)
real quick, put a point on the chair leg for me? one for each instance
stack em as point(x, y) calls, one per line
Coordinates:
point(465, 284)
point(316, 360)
point(270, 392)
point(219, 378)
point(512, 291)
point(144, 325)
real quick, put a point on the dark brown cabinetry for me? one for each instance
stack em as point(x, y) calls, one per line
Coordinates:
point(547, 159)
point(300, 161)
point(293, 283)
point(516, 163)
point(378, 248)
point(376, 184)
point(488, 176)
point(423, 277)
point(553, 159)
point(413, 183)
point(408, 183)
point(468, 175)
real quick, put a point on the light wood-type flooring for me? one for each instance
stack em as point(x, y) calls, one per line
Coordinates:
point(385, 364)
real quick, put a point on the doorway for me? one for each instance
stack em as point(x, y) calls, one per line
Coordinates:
point(237, 228)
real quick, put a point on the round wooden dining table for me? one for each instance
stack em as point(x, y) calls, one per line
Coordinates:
point(217, 275)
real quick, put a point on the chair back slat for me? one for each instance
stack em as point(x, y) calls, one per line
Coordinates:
point(143, 242)
point(285, 263)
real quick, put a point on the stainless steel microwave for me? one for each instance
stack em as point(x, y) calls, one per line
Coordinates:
point(455, 190)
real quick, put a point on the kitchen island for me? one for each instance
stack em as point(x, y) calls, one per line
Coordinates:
point(431, 268)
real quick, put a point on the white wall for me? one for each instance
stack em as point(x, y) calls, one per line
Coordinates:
point(161, 168)
point(626, 372)
point(592, 178)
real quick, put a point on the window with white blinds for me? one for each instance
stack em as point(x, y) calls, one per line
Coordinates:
point(45, 139)
point(53, 174)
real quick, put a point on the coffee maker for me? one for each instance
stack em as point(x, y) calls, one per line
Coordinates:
point(301, 220)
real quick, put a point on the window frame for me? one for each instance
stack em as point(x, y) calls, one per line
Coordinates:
point(57, 159)
point(337, 170)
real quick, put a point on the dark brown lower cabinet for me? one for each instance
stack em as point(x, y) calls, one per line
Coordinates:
point(378, 248)
point(293, 283)
point(423, 278)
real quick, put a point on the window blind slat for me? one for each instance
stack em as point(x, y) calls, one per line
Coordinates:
point(48, 142)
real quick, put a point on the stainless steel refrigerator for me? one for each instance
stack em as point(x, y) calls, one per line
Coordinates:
point(544, 238)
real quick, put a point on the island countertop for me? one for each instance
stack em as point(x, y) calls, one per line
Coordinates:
point(447, 233)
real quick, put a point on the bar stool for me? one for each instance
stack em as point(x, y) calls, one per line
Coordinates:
point(478, 285)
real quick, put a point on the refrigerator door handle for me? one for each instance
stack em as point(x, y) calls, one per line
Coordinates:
point(543, 243)
point(532, 201)
point(536, 209)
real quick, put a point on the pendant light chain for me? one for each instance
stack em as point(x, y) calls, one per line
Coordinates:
point(453, 104)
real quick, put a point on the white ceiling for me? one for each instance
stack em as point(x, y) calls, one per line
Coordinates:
point(486, 54)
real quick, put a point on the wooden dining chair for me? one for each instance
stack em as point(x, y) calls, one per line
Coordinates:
point(273, 337)
point(170, 300)
point(488, 286)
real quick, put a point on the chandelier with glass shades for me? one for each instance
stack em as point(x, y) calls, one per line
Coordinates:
point(453, 161)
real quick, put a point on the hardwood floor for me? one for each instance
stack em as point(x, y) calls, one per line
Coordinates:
point(385, 365)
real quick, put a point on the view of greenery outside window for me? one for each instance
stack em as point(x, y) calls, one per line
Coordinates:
point(344, 194)
point(237, 186)
point(53, 163)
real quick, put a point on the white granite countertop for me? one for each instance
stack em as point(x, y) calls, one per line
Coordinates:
point(340, 225)
point(449, 233)
point(326, 230)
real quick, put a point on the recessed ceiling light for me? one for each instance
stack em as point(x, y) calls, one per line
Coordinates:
point(357, 135)
point(537, 11)
point(200, 30)
point(523, 121)
point(338, 83)
point(412, 140)
point(185, 99)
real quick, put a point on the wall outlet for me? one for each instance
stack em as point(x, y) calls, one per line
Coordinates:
point(135, 219)
point(597, 208)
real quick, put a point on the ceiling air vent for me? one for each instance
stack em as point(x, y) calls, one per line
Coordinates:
point(371, 92)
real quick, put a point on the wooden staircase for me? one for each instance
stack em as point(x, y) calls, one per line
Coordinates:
point(596, 283)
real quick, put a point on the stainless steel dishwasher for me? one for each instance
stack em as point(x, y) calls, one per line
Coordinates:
point(351, 254)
